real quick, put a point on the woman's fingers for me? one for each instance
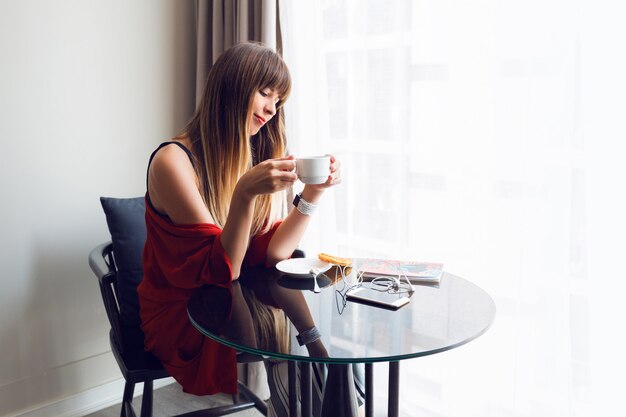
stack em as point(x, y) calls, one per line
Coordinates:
point(281, 172)
point(335, 164)
point(335, 170)
point(284, 164)
point(270, 176)
point(285, 175)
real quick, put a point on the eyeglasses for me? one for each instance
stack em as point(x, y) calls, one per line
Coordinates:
point(391, 285)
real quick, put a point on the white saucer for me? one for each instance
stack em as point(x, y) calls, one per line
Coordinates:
point(301, 267)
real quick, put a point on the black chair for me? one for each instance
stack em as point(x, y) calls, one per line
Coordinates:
point(117, 265)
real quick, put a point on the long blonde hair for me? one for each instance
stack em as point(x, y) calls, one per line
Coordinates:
point(219, 129)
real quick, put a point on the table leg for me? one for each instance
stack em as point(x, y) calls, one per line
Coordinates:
point(394, 388)
point(305, 390)
point(293, 393)
point(369, 390)
point(339, 392)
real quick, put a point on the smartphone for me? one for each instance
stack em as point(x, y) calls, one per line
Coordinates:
point(376, 298)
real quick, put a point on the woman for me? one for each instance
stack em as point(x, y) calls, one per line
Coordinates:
point(213, 202)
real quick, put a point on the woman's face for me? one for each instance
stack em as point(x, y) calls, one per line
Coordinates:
point(263, 108)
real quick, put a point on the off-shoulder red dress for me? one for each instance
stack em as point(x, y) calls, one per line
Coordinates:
point(177, 261)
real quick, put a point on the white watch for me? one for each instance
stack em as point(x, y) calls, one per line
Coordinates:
point(304, 206)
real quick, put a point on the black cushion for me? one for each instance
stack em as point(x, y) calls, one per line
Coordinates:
point(126, 221)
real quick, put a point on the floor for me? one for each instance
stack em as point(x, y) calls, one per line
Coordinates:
point(170, 400)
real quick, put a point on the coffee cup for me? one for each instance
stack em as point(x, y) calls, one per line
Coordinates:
point(313, 169)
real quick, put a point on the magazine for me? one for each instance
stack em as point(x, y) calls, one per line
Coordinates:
point(416, 272)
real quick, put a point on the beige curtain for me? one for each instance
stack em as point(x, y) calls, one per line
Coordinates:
point(221, 24)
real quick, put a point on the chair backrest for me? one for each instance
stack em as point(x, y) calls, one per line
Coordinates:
point(124, 271)
point(102, 264)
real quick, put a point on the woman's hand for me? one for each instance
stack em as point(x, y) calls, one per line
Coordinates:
point(268, 177)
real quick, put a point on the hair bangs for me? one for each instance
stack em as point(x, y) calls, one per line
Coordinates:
point(276, 76)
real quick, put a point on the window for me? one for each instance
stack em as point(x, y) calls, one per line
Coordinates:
point(459, 125)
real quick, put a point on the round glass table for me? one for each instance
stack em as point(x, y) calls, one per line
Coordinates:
point(439, 317)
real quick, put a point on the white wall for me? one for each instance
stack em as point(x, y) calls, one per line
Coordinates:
point(87, 90)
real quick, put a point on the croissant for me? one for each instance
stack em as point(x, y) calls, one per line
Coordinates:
point(335, 260)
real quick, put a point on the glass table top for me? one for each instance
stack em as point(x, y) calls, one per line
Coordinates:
point(437, 318)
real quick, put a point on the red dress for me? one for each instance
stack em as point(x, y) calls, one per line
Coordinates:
point(177, 260)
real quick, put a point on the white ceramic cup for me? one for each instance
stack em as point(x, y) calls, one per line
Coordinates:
point(313, 169)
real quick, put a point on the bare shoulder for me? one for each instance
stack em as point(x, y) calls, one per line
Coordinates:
point(170, 168)
point(173, 187)
point(171, 159)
